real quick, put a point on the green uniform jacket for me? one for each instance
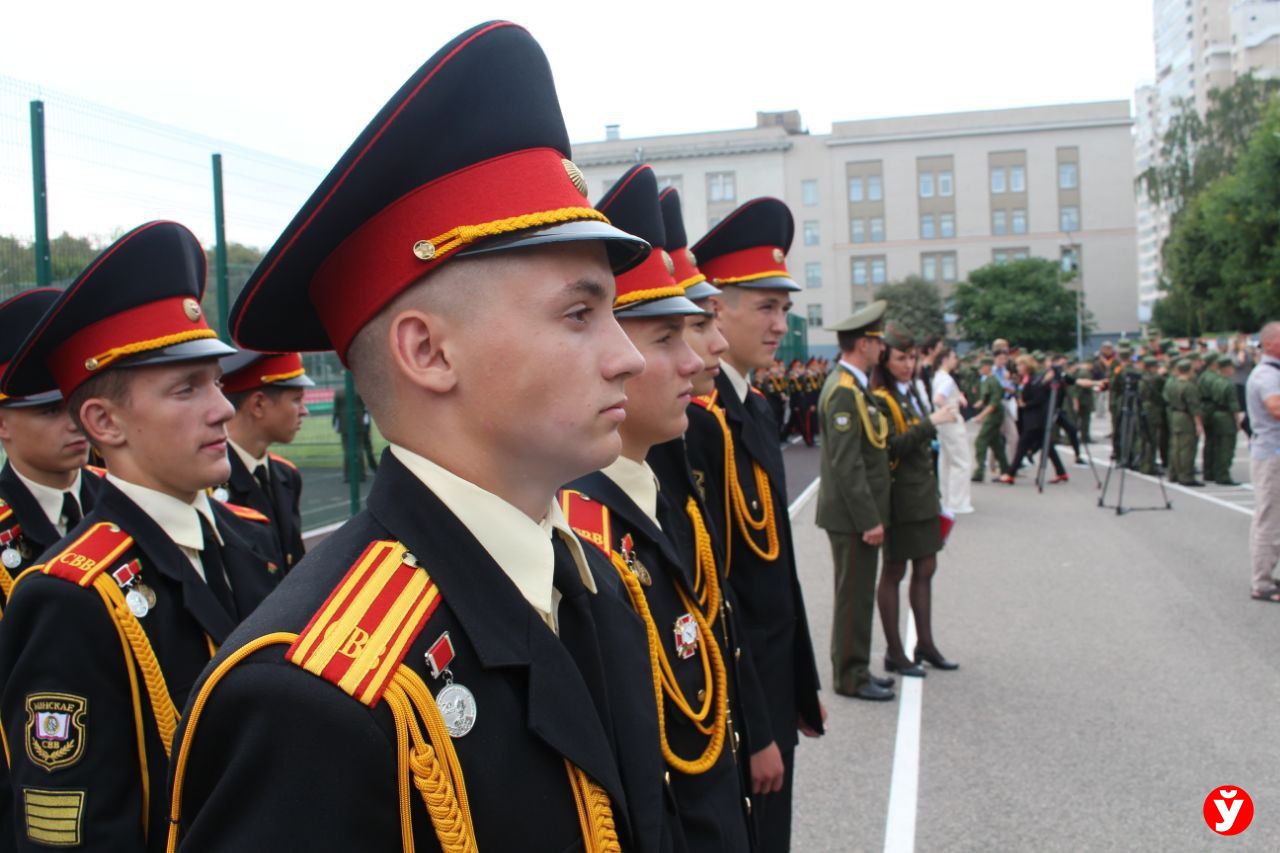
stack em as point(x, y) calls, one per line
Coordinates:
point(1183, 399)
point(853, 495)
point(991, 393)
point(915, 488)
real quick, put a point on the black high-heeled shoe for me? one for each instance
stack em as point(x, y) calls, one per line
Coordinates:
point(907, 670)
point(935, 660)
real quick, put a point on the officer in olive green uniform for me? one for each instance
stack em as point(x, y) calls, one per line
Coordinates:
point(991, 415)
point(1226, 422)
point(1115, 394)
point(1151, 422)
point(1082, 402)
point(1183, 399)
point(853, 499)
point(1207, 383)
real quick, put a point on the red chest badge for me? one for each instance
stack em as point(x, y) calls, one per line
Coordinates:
point(686, 630)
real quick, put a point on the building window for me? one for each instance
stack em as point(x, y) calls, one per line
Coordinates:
point(929, 267)
point(809, 193)
point(945, 184)
point(712, 222)
point(874, 192)
point(877, 229)
point(1020, 255)
point(997, 180)
point(815, 316)
point(999, 222)
point(1068, 176)
point(859, 271)
point(855, 189)
point(948, 267)
point(926, 185)
point(666, 181)
point(858, 230)
point(1019, 220)
point(811, 233)
point(877, 271)
point(1000, 257)
point(947, 224)
point(813, 275)
point(1017, 179)
point(1069, 218)
point(926, 226)
point(720, 186)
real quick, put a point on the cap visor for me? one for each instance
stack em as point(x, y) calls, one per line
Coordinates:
point(702, 290)
point(625, 250)
point(47, 398)
point(780, 282)
point(668, 306)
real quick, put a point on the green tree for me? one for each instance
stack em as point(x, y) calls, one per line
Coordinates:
point(1024, 302)
point(916, 304)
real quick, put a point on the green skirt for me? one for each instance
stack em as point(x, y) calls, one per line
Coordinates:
point(912, 540)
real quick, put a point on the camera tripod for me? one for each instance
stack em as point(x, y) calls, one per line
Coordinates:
point(1130, 419)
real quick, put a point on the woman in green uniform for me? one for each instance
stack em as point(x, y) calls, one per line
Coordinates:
point(914, 533)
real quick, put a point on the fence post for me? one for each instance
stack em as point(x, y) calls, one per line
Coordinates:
point(44, 268)
point(220, 252)
point(351, 442)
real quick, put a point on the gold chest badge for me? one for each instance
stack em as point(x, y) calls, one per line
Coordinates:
point(55, 729)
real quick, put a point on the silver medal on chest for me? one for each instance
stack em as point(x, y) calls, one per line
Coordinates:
point(457, 709)
point(11, 557)
point(221, 494)
point(137, 603)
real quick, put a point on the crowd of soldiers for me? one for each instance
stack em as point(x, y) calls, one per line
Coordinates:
point(792, 393)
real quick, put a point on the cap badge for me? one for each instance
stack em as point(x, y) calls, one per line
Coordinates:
point(693, 259)
point(575, 175)
point(90, 364)
point(424, 250)
point(191, 308)
point(670, 264)
point(778, 256)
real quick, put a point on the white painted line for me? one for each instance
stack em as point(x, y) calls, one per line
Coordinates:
point(1174, 487)
point(798, 504)
point(904, 783)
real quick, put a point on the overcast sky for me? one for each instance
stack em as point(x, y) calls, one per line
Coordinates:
point(300, 80)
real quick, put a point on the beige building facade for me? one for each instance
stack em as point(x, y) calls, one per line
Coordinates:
point(934, 196)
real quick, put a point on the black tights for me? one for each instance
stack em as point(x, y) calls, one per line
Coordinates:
point(920, 592)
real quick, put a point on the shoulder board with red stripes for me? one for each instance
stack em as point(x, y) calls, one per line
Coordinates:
point(94, 469)
point(359, 636)
point(706, 401)
point(248, 513)
point(588, 518)
point(757, 390)
point(92, 553)
point(6, 512)
point(278, 458)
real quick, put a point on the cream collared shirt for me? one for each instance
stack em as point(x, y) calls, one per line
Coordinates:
point(50, 499)
point(739, 382)
point(862, 377)
point(639, 482)
point(249, 461)
point(180, 521)
point(519, 545)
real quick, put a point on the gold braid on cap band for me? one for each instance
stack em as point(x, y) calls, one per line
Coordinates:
point(755, 276)
point(463, 235)
point(647, 295)
point(281, 377)
point(101, 360)
point(691, 281)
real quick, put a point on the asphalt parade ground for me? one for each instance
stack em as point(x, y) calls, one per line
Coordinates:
point(1114, 671)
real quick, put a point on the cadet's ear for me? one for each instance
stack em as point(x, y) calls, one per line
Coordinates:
point(98, 416)
point(5, 433)
point(419, 352)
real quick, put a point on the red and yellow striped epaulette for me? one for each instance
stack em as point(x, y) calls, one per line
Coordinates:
point(248, 513)
point(278, 458)
point(94, 469)
point(588, 518)
point(757, 390)
point(707, 401)
point(94, 552)
point(359, 636)
point(6, 512)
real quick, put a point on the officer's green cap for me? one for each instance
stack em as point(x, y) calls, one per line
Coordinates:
point(1150, 361)
point(1211, 358)
point(869, 322)
point(1182, 365)
point(1125, 349)
point(986, 361)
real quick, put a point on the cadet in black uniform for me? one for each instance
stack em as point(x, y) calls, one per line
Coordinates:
point(622, 511)
point(45, 487)
point(450, 669)
point(744, 256)
point(266, 390)
point(100, 644)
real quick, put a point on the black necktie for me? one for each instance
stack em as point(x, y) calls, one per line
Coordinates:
point(577, 626)
point(263, 476)
point(70, 510)
point(214, 573)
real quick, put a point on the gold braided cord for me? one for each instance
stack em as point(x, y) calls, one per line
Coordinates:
point(664, 680)
point(6, 583)
point(706, 580)
point(877, 437)
point(116, 353)
point(691, 281)
point(755, 276)
point(647, 294)
point(463, 235)
point(281, 377)
point(595, 813)
point(736, 500)
point(900, 423)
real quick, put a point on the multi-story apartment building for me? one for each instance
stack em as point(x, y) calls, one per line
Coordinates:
point(935, 196)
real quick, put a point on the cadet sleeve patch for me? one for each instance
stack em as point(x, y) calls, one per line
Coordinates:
point(843, 421)
point(53, 817)
point(55, 729)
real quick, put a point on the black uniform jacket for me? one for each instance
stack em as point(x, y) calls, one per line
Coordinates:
point(284, 507)
point(37, 533)
point(711, 805)
point(768, 595)
point(57, 638)
point(284, 760)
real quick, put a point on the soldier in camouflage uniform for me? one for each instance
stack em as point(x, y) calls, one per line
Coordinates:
point(1185, 426)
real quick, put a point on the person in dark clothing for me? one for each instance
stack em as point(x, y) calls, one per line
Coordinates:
point(1033, 402)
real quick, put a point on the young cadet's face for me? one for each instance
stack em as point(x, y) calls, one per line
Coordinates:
point(43, 438)
point(174, 427)
point(703, 335)
point(552, 393)
point(754, 323)
point(282, 415)
point(657, 399)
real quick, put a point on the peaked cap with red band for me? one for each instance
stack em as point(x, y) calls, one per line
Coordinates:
point(748, 248)
point(688, 275)
point(649, 289)
point(18, 316)
point(470, 156)
point(137, 303)
point(247, 370)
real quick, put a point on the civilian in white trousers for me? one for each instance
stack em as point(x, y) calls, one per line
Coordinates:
point(955, 453)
